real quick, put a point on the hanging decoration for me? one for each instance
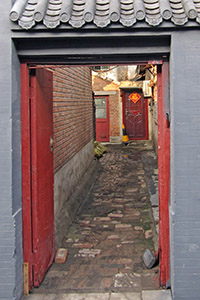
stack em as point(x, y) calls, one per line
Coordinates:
point(134, 97)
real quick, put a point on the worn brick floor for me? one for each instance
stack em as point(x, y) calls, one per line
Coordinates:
point(114, 226)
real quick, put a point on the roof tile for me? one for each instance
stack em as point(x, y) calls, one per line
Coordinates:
point(51, 13)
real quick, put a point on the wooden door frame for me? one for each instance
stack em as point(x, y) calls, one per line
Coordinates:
point(164, 173)
point(146, 112)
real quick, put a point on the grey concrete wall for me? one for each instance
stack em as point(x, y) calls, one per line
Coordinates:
point(185, 165)
point(71, 184)
point(10, 186)
point(16, 172)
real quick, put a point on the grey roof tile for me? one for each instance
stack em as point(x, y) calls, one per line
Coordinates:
point(101, 13)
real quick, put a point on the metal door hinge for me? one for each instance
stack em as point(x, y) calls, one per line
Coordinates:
point(26, 278)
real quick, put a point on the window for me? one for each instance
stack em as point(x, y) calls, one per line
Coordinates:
point(100, 68)
point(101, 112)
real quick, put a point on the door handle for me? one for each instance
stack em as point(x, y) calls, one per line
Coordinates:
point(51, 144)
point(167, 120)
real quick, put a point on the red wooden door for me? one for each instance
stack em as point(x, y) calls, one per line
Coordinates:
point(136, 115)
point(102, 118)
point(42, 172)
point(37, 173)
point(163, 170)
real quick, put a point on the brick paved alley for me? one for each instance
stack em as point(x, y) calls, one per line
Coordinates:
point(114, 226)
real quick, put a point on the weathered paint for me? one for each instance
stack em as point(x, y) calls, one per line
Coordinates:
point(37, 172)
point(163, 171)
point(26, 170)
point(139, 117)
point(102, 124)
point(42, 173)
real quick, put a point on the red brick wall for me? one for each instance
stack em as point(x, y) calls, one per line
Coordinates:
point(114, 114)
point(98, 83)
point(72, 112)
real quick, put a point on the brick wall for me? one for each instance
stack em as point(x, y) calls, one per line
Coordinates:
point(114, 115)
point(72, 112)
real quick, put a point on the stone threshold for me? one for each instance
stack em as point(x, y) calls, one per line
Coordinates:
point(144, 295)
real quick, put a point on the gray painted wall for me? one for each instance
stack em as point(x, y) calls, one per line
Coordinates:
point(10, 182)
point(185, 165)
point(16, 172)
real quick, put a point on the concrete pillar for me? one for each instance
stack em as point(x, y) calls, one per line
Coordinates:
point(10, 166)
point(185, 165)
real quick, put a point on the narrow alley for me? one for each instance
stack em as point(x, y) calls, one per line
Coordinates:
point(112, 229)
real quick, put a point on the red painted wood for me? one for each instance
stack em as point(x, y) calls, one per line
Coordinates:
point(136, 117)
point(102, 124)
point(42, 173)
point(37, 172)
point(26, 171)
point(164, 173)
point(123, 107)
point(147, 118)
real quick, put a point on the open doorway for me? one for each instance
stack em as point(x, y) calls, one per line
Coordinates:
point(81, 136)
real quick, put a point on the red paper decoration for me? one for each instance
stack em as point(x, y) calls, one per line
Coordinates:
point(135, 97)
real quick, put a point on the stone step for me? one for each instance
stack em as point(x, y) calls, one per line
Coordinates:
point(145, 295)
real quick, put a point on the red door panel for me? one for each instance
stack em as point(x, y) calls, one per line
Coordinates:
point(163, 171)
point(42, 172)
point(37, 172)
point(136, 117)
point(102, 119)
point(26, 173)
